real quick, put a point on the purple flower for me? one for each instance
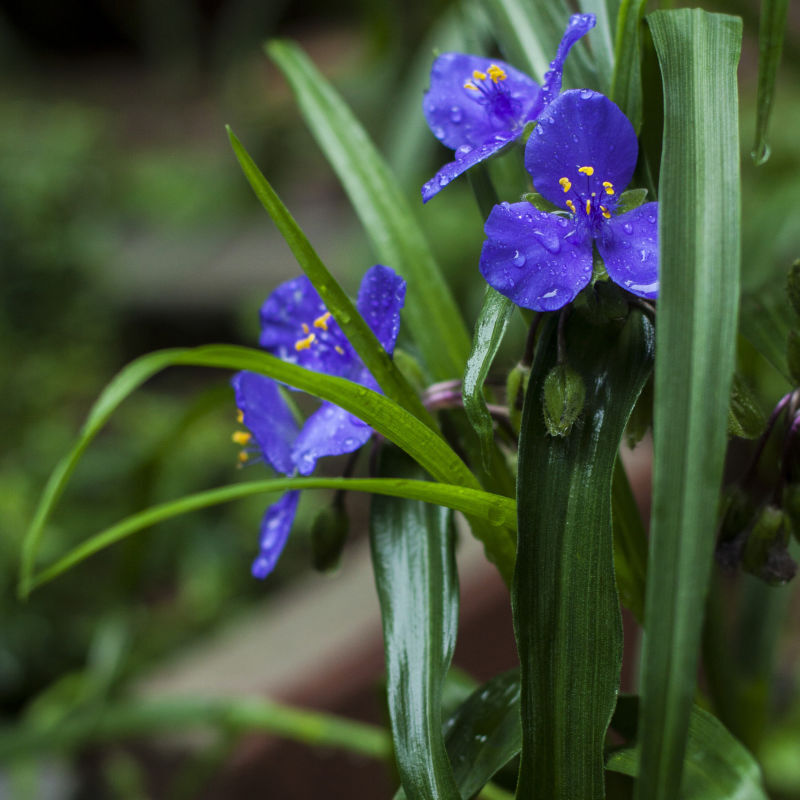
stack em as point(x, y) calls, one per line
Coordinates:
point(581, 156)
point(296, 327)
point(476, 106)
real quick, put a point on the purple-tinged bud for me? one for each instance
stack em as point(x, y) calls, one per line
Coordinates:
point(765, 553)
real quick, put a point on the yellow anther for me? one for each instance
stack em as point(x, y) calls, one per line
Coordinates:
point(322, 322)
point(571, 206)
point(304, 344)
point(471, 86)
point(566, 184)
point(497, 73)
point(306, 329)
point(243, 457)
point(588, 206)
point(239, 416)
point(586, 170)
point(478, 75)
point(339, 350)
point(609, 187)
point(241, 437)
point(605, 212)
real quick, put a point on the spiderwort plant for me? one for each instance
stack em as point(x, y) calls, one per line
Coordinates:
point(477, 106)
point(581, 155)
point(297, 327)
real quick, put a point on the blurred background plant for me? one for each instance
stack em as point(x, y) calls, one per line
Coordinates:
point(126, 226)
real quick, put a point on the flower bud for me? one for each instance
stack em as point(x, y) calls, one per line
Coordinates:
point(765, 554)
point(562, 399)
point(516, 385)
point(738, 511)
point(328, 535)
point(606, 302)
point(745, 419)
point(793, 286)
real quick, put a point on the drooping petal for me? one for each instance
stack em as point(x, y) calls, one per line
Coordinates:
point(538, 260)
point(466, 156)
point(577, 27)
point(629, 247)
point(268, 418)
point(329, 431)
point(275, 528)
point(458, 116)
point(296, 327)
point(380, 297)
point(584, 137)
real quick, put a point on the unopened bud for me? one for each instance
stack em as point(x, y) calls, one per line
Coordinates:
point(606, 302)
point(562, 399)
point(765, 554)
point(516, 385)
point(328, 535)
point(738, 511)
point(745, 419)
point(793, 286)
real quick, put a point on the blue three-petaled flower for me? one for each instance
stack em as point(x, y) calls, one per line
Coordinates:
point(476, 106)
point(581, 155)
point(297, 327)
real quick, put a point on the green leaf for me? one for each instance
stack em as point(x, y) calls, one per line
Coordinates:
point(353, 325)
point(492, 508)
point(745, 418)
point(631, 199)
point(765, 319)
point(630, 544)
point(381, 413)
point(697, 309)
point(431, 314)
point(771, 30)
point(529, 35)
point(717, 766)
point(603, 37)
point(566, 610)
point(489, 331)
point(626, 85)
point(415, 573)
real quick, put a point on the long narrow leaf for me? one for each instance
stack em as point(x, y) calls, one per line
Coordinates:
point(697, 308)
point(771, 30)
point(337, 302)
point(626, 86)
point(415, 573)
point(431, 313)
point(566, 609)
point(492, 508)
point(603, 38)
point(381, 413)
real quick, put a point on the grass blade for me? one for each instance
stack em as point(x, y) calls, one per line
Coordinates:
point(413, 557)
point(697, 308)
point(626, 85)
point(606, 12)
point(431, 313)
point(566, 609)
point(337, 302)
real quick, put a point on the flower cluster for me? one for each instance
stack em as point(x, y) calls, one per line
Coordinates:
point(297, 327)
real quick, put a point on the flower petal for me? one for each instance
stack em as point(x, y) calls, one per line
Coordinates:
point(629, 248)
point(466, 156)
point(380, 298)
point(581, 129)
point(577, 27)
point(268, 417)
point(538, 260)
point(329, 431)
point(459, 116)
point(296, 327)
point(275, 528)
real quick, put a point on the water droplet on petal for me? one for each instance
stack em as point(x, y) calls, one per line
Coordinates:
point(651, 219)
point(574, 138)
point(455, 114)
point(350, 442)
point(586, 94)
point(443, 180)
point(628, 228)
point(438, 132)
point(518, 259)
point(463, 151)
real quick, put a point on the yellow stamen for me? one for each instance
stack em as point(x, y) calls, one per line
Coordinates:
point(241, 437)
point(304, 344)
point(609, 187)
point(322, 322)
point(243, 457)
point(588, 206)
point(478, 75)
point(571, 206)
point(471, 86)
point(497, 73)
point(239, 416)
point(305, 328)
point(566, 184)
point(339, 350)
point(586, 170)
point(605, 212)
